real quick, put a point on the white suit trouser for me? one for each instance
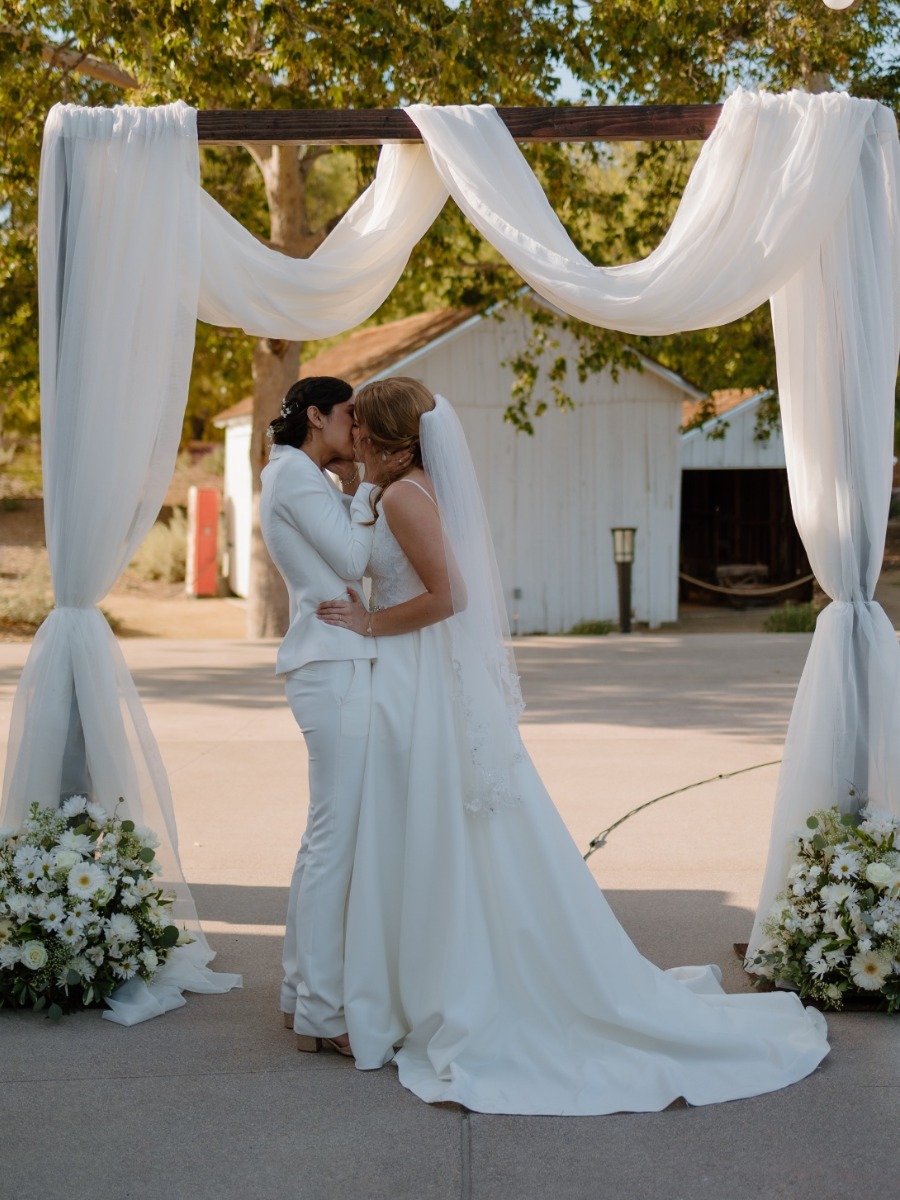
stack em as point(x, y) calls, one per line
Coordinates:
point(330, 702)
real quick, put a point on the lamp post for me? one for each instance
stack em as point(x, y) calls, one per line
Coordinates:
point(623, 553)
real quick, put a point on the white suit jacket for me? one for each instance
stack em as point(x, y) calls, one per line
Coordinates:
point(319, 541)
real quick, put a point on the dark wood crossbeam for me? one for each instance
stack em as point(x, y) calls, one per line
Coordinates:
point(374, 126)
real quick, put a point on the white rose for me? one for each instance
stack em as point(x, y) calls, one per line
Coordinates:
point(879, 874)
point(64, 860)
point(33, 955)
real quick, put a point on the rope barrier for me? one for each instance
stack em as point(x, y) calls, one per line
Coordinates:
point(751, 591)
point(599, 840)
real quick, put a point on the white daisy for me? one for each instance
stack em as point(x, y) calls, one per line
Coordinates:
point(869, 970)
point(29, 874)
point(127, 968)
point(819, 969)
point(846, 864)
point(72, 934)
point(86, 880)
point(24, 856)
point(54, 916)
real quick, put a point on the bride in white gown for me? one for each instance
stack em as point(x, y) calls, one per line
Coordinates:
point(481, 957)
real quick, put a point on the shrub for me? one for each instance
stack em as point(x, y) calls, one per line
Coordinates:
point(591, 629)
point(163, 553)
point(30, 600)
point(792, 618)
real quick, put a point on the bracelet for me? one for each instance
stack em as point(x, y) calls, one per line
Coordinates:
point(369, 632)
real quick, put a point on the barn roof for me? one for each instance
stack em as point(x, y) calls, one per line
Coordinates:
point(723, 401)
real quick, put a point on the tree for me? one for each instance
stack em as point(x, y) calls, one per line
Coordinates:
point(616, 202)
point(664, 52)
point(252, 54)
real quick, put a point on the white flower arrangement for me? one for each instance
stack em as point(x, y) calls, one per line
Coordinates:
point(834, 932)
point(79, 912)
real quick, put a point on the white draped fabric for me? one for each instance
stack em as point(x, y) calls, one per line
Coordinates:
point(793, 197)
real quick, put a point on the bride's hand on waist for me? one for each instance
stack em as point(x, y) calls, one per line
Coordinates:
point(346, 614)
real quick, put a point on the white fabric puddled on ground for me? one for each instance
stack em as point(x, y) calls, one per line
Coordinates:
point(793, 197)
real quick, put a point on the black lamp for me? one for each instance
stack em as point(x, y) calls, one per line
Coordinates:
point(623, 553)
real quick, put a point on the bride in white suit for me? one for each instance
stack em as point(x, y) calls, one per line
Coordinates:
point(320, 540)
point(481, 956)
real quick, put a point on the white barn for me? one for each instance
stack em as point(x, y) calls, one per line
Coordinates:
point(551, 498)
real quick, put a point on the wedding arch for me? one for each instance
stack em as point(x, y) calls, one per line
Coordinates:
point(794, 198)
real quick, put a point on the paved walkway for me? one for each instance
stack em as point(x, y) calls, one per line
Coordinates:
point(213, 1101)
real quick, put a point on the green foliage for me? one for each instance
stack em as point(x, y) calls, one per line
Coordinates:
point(29, 601)
point(615, 202)
point(249, 54)
point(792, 618)
point(163, 552)
point(591, 629)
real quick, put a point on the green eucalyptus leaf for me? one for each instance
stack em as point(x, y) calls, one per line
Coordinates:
point(169, 936)
point(54, 1012)
point(128, 826)
point(146, 854)
point(812, 822)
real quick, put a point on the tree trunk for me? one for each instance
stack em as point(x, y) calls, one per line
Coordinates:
point(275, 368)
point(276, 365)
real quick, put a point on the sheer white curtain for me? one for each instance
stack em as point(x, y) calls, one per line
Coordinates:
point(129, 250)
point(793, 197)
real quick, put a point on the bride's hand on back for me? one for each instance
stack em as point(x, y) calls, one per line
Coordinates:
point(346, 614)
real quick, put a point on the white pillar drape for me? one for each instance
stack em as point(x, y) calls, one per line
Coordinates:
point(793, 197)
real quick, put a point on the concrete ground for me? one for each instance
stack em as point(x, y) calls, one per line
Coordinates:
point(213, 1101)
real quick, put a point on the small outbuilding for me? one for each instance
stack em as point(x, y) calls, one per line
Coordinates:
point(736, 518)
point(551, 498)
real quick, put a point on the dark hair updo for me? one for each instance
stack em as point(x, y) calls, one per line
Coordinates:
point(320, 391)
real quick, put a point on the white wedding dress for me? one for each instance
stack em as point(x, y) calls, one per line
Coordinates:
point(481, 946)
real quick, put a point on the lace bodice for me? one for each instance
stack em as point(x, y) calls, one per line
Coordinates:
point(393, 577)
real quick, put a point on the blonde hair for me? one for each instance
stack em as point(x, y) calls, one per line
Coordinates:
point(390, 409)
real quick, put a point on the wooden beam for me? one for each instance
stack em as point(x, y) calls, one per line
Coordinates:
point(374, 126)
